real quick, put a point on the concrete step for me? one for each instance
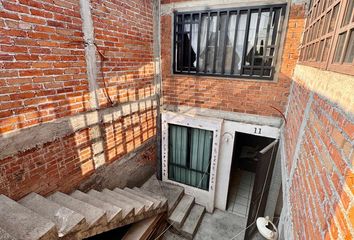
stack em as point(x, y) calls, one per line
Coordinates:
point(127, 209)
point(156, 202)
point(66, 220)
point(20, 222)
point(149, 205)
point(172, 192)
point(94, 216)
point(139, 208)
point(113, 213)
point(192, 222)
point(170, 235)
point(181, 212)
point(152, 195)
point(5, 236)
point(142, 230)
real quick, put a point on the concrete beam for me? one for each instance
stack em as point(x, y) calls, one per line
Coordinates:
point(28, 138)
point(90, 51)
point(232, 116)
point(167, 9)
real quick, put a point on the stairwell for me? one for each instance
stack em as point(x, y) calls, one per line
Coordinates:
point(81, 215)
point(184, 215)
point(75, 216)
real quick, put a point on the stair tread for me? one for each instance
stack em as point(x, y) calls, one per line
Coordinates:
point(22, 223)
point(92, 214)
point(148, 204)
point(127, 210)
point(139, 208)
point(5, 236)
point(172, 192)
point(113, 213)
point(153, 195)
point(156, 202)
point(191, 224)
point(181, 211)
point(66, 220)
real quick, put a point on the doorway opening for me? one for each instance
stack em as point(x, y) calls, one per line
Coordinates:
point(248, 174)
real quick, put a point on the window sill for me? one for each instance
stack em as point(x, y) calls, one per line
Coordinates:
point(226, 78)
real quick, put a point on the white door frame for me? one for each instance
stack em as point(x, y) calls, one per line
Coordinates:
point(203, 197)
point(226, 151)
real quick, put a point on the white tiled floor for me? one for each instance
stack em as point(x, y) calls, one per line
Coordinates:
point(240, 192)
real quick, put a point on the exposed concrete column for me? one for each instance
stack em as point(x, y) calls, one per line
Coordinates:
point(90, 51)
point(157, 79)
point(96, 132)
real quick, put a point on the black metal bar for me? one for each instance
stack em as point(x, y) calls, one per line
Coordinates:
point(255, 40)
point(198, 42)
point(235, 41)
point(216, 40)
point(182, 45)
point(175, 67)
point(206, 44)
point(245, 40)
point(190, 44)
point(225, 43)
point(239, 8)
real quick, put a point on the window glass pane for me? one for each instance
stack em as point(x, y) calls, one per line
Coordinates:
point(326, 22)
point(240, 37)
point(221, 42)
point(190, 155)
point(274, 27)
point(334, 18)
point(349, 12)
point(349, 55)
point(251, 38)
point(339, 48)
point(202, 42)
point(262, 33)
point(326, 49)
point(194, 41)
point(230, 42)
point(318, 58)
point(178, 150)
point(211, 43)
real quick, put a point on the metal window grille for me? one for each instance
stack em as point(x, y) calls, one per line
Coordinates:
point(238, 42)
point(328, 40)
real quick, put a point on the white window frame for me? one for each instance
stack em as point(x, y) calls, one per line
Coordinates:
point(203, 197)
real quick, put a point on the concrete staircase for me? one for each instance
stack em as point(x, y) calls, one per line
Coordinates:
point(184, 215)
point(75, 216)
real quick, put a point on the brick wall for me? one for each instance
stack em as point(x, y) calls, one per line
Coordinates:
point(42, 69)
point(43, 79)
point(322, 187)
point(255, 97)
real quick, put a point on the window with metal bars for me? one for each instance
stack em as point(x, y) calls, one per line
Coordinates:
point(238, 42)
point(328, 40)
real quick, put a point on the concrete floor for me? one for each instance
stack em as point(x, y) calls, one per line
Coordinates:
point(219, 225)
point(240, 192)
